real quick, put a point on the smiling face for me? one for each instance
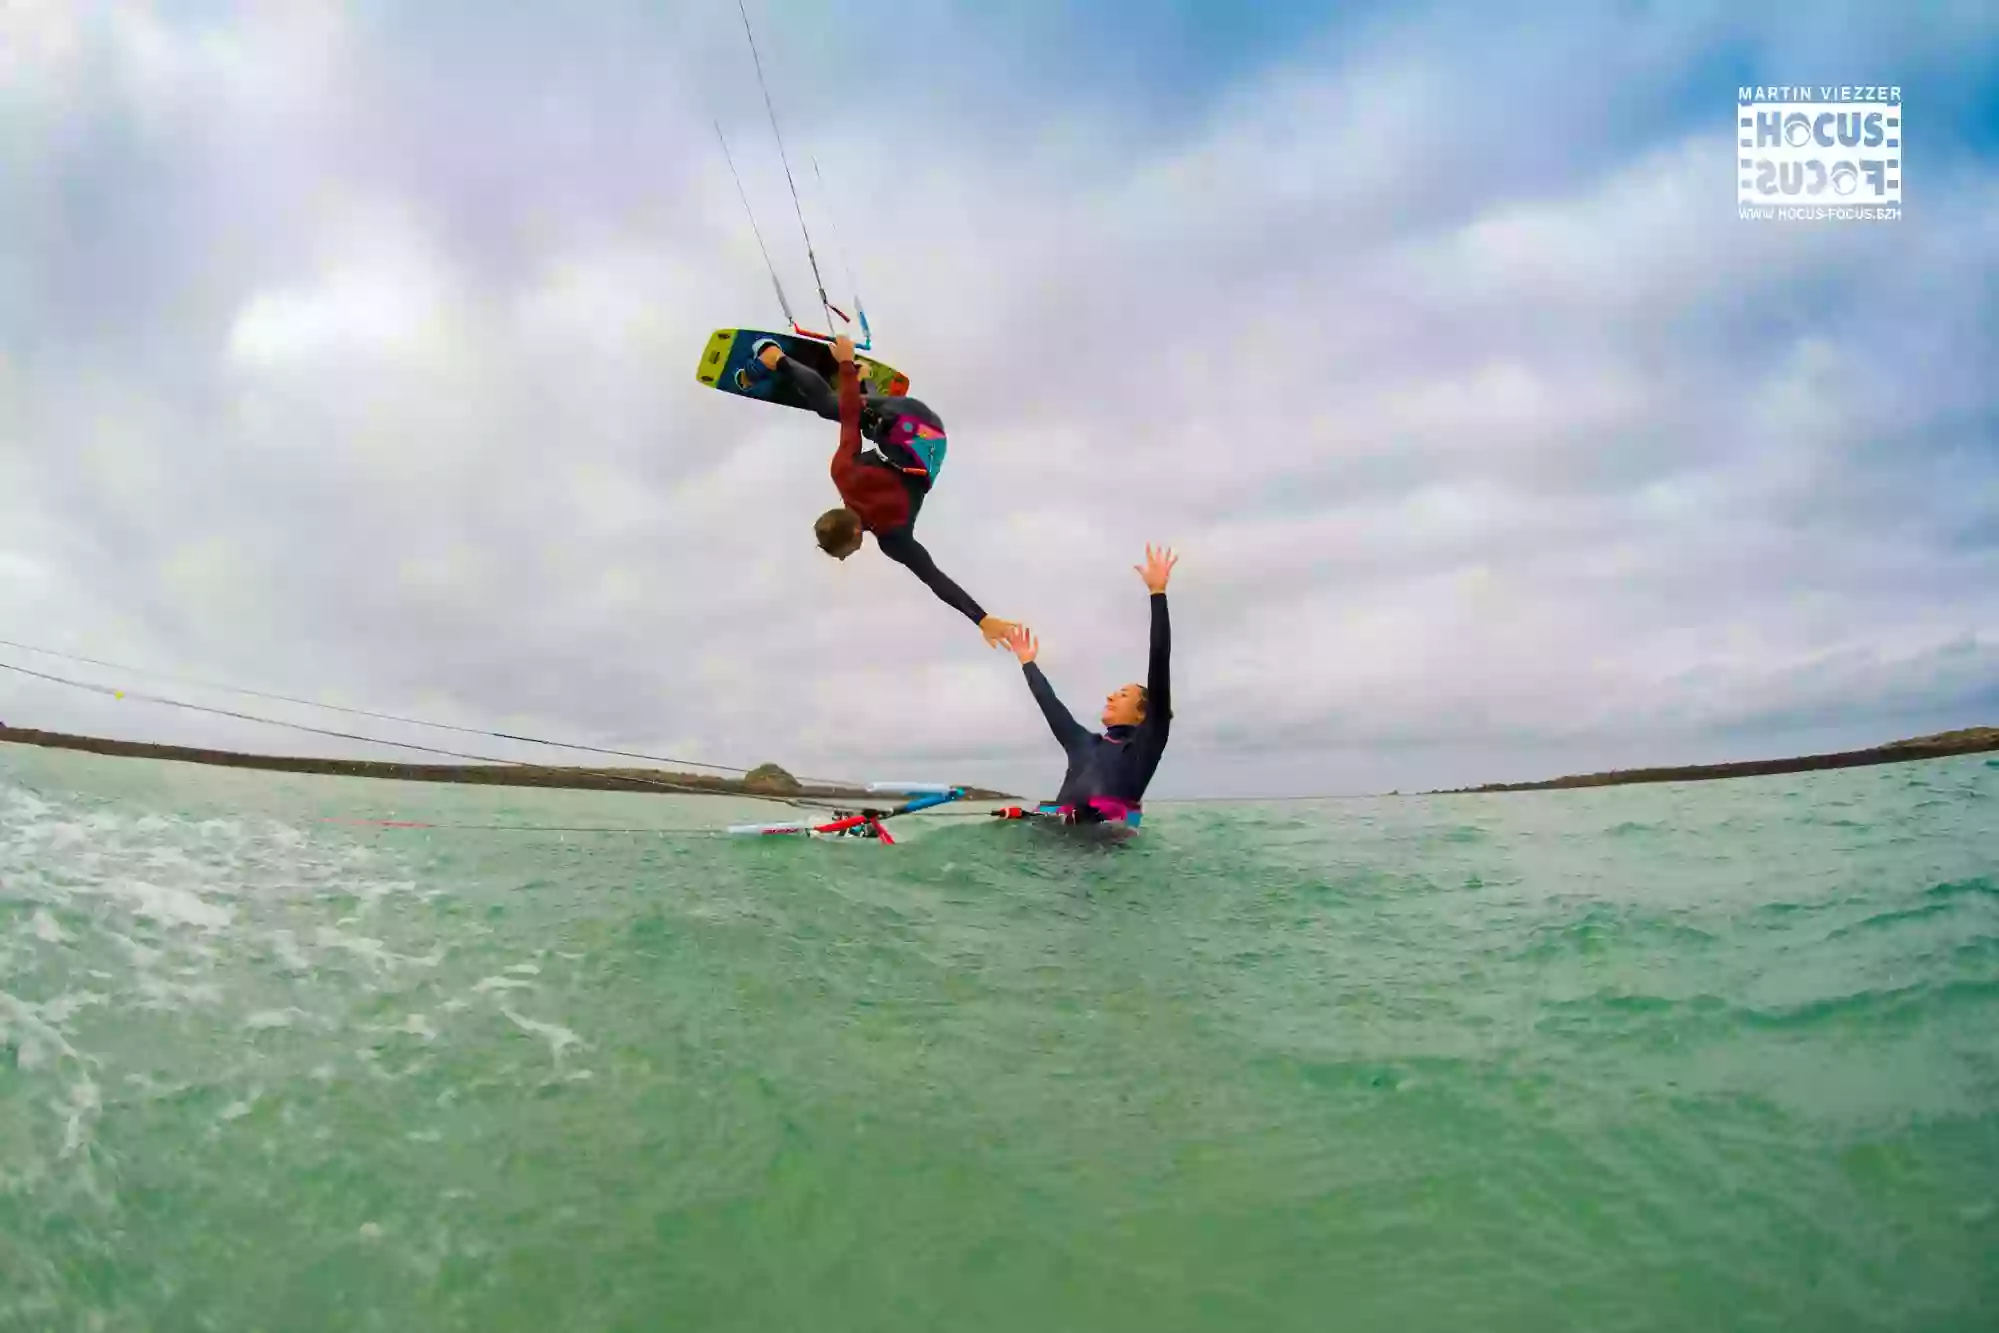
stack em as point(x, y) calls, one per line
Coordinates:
point(1125, 707)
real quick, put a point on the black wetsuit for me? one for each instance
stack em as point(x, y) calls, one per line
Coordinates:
point(1119, 763)
point(877, 414)
point(888, 510)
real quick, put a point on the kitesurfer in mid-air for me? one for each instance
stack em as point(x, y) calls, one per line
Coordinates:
point(1109, 770)
point(883, 489)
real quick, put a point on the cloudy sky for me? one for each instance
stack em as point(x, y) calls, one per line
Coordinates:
point(346, 350)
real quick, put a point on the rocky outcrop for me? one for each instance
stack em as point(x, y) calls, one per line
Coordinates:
point(772, 779)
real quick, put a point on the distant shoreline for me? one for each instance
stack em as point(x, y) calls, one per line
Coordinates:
point(779, 785)
point(656, 782)
point(1944, 745)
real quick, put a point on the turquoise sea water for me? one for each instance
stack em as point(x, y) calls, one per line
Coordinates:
point(1704, 1056)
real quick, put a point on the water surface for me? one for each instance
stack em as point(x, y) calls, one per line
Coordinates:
point(1700, 1056)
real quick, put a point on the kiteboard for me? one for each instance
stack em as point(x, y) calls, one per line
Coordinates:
point(864, 823)
point(727, 363)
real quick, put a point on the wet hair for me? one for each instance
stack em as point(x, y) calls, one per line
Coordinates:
point(837, 530)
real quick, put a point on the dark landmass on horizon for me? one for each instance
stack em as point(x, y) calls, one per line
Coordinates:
point(1943, 745)
point(767, 781)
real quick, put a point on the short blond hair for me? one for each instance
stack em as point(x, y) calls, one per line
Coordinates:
point(837, 530)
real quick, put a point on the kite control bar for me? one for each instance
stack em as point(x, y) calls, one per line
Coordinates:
point(867, 341)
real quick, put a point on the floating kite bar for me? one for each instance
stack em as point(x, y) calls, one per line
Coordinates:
point(916, 788)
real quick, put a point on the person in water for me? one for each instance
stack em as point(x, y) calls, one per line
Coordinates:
point(883, 489)
point(1109, 770)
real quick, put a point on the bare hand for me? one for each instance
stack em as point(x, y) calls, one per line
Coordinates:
point(996, 630)
point(1158, 566)
point(770, 356)
point(843, 348)
point(1023, 643)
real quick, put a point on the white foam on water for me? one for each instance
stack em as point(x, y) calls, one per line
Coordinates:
point(502, 983)
point(361, 946)
point(373, 950)
point(559, 1038)
point(79, 1116)
point(371, 892)
point(59, 1010)
point(284, 944)
point(266, 1019)
point(38, 1045)
point(415, 1025)
point(159, 993)
point(170, 905)
point(35, 1041)
point(21, 803)
point(46, 928)
point(143, 956)
point(525, 970)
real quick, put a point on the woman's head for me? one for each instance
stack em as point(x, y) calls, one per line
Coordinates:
point(1125, 706)
point(838, 532)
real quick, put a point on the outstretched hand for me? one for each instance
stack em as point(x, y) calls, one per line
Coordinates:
point(1158, 566)
point(997, 631)
point(1023, 643)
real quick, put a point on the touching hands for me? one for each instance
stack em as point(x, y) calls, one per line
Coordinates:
point(996, 630)
point(1023, 643)
point(1158, 567)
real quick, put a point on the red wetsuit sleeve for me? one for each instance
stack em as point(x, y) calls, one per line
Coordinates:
point(875, 493)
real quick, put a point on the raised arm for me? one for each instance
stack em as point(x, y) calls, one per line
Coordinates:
point(1067, 730)
point(1158, 679)
point(1026, 647)
point(849, 451)
point(1156, 570)
point(902, 547)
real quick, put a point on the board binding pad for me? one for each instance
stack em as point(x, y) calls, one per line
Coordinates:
point(728, 364)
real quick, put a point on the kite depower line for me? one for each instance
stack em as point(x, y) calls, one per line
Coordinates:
point(860, 316)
